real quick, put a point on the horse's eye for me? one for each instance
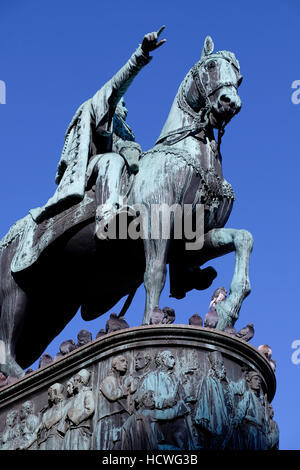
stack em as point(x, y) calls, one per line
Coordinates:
point(211, 65)
point(240, 79)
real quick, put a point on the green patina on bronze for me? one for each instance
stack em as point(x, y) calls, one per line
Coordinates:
point(55, 251)
point(171, 387)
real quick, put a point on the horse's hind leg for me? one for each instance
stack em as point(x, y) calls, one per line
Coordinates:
point(156, 252)
point(12, 313)
point(222, 241)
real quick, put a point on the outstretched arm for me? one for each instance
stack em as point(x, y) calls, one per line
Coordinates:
point(122, 80)
point(111, 93)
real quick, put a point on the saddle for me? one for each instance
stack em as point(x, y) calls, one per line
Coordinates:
point(36, 237)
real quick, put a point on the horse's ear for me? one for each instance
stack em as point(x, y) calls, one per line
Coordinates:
point(208, 47)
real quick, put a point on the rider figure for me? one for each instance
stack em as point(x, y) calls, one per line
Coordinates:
point(98, 142)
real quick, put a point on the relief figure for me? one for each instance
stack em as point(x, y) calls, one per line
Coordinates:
point(170, 408)
point(11, 434)
point(49, 436)
point(214, 416)
point(114, 405)
point(79, 413)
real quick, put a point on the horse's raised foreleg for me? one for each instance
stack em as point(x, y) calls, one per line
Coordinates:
point(156, 252)
point(223, 241)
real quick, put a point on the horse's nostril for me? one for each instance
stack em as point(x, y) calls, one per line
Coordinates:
point(225, 99)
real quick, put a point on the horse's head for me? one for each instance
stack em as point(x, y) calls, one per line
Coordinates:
point(216, 80)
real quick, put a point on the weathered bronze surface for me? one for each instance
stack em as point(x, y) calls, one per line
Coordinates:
point(55, 249)
point(150, 387)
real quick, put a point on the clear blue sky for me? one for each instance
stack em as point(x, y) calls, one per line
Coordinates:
point(54, 55)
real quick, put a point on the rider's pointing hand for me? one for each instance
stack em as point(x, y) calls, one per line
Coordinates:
point(150, 41)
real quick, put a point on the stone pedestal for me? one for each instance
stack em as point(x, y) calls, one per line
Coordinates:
point(150, 387)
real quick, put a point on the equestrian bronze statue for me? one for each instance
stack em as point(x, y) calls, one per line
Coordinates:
point(58, 258)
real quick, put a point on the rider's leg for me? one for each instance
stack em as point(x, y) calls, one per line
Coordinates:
point(107, 190)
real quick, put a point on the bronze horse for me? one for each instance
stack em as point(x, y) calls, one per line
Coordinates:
point(184, 167)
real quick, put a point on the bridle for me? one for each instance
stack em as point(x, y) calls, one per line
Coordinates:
point(201, 119)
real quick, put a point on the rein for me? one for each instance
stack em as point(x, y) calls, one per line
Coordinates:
point(200, 120)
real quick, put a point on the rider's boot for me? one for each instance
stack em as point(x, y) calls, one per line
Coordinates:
point(109, 202)
point(107, 191)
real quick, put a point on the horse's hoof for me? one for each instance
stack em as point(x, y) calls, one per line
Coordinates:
point(227, 314)
point(11, 368)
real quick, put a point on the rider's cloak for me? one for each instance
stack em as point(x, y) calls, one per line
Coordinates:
point(96, 113)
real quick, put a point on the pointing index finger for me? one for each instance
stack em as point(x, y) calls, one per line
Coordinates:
point(160, 31)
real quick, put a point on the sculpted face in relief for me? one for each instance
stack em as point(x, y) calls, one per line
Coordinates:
point(99, 165)
point(158, 399)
